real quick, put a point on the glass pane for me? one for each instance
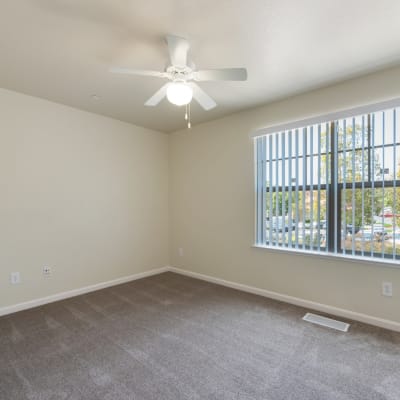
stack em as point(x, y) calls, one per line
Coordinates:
point(384, 164)
point(311, 233)
point(353, 150)
point(353, 165)
point(352, 133)
point(376, 225)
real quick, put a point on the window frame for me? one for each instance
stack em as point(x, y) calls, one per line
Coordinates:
point(332, 186)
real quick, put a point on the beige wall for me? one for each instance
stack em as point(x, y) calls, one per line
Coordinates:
point(84, 194)
point(212, 206)
point(88, 196)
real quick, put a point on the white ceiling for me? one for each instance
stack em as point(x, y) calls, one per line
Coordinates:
point(61, 50)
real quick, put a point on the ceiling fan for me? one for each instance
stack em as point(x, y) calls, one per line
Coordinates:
point(182, 76)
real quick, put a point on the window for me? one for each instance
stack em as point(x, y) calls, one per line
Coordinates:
point(331, 187)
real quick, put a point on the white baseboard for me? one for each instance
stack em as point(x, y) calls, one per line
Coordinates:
point(340, 312)
point(76, 292)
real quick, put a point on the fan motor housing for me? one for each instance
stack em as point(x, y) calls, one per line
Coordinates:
point(180, 73)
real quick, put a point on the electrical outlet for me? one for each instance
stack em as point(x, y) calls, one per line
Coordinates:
point(387, 289)
point(46, 270)
point(15, 278)
point(180, 251)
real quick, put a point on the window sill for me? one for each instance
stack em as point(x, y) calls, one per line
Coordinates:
point(329, 256)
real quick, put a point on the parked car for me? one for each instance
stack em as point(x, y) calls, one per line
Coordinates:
point(370, 235)
point(279, 224)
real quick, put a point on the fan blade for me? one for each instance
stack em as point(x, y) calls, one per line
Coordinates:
point(157, 74)
point(178, 48)
point(157, 96)
point(202, 97)
point(224, 74)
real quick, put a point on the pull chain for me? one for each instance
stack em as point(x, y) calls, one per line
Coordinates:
point(189, 124)
point(186, 113)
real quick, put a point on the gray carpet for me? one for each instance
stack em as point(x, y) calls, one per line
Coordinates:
point(170, 337)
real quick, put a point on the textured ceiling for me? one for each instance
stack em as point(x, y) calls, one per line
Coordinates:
point(61, 50)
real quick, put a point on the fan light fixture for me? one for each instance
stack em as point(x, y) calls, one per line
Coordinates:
point(179, 93)
point(183, 77)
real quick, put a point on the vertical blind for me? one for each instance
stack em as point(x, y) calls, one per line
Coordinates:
point(331, 186)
